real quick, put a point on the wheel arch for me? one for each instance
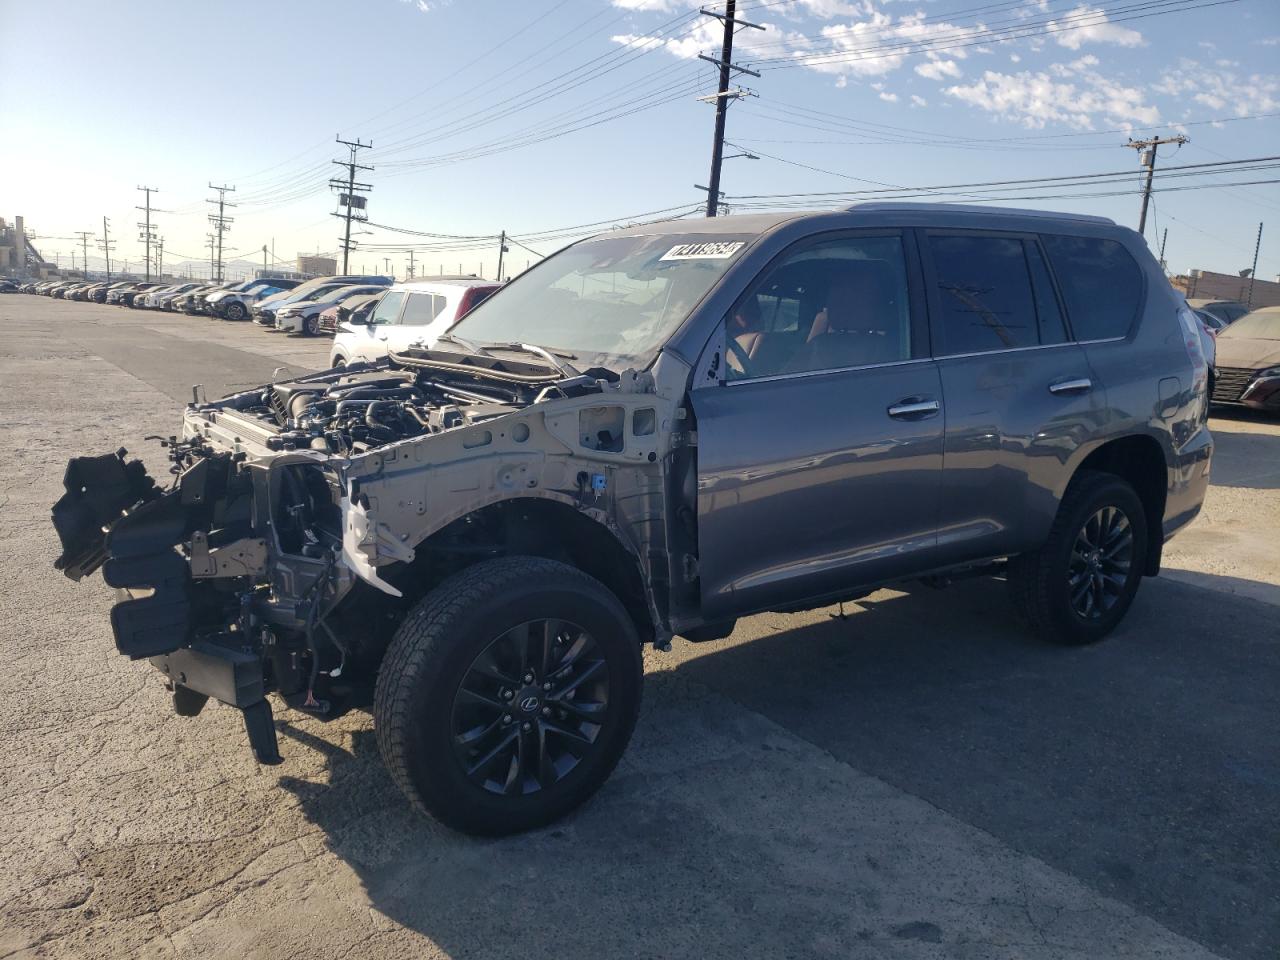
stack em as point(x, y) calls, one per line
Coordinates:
point(1139, 460)
point(538, 526)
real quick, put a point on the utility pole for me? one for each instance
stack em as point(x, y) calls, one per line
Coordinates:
point(84, 249)
point(212, 248)
point(106, 244)
point(264, 258)
point(159, 258)
point(410, 277)
point(1163, 240)
point(1147, 150)
point(502, 248)
point(723, 94)
point(1254, 272)
point(386, 265)
point(219, 221)
point(147, 236)
point(348, 193)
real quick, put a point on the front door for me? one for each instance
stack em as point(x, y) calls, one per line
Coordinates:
point(820, 452)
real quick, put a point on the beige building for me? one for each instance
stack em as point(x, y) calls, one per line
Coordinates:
point(317, 266)
point(1207, 285)
point(18, 258)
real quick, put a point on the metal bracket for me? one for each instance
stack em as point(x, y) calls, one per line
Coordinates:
point(242, 558)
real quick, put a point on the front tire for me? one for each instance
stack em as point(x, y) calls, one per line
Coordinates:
point(1077, 587)
point(508, 695)
point(311, 326)
point(236, 311)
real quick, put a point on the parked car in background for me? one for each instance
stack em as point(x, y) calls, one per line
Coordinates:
point(1214, 322)
point(417, 311)
point(1248, 366)
point(192, 301)
point(100, 293)
point(163, 299)
point(236, 303)
point(8, 286)
point(354, 309)
point(125, 295)
point(145, 300)
point(304, 316)
point(264, 312)
point(1228, 311)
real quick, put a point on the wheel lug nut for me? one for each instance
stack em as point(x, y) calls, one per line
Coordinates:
point(507, 694)
point(546, 711)
point(547, 685)
point(506, 718)
point(526, 727)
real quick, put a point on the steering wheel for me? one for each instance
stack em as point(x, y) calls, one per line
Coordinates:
point(735, 349)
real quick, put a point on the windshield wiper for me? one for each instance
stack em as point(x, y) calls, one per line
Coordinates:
point(566, 369)
point(454, 338)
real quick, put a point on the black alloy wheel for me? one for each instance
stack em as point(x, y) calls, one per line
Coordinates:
point(530, 707)
point(508, 694)
point(1101, 558)
point(1078, 586)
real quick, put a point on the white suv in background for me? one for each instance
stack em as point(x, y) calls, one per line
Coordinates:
point(414, 312)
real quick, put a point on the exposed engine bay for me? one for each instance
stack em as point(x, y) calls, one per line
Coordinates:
point(357, 409)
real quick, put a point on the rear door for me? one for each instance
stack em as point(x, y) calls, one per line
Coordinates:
point(1019, 395)
point(414, 323)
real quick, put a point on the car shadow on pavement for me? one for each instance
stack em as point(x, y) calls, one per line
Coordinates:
point(1145, 767)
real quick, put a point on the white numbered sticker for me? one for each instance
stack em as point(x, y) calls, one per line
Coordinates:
point(704, 251)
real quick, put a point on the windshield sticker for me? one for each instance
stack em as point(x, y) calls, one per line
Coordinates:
point(703, 251)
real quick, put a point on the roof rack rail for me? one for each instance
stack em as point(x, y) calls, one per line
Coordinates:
point(901, 206)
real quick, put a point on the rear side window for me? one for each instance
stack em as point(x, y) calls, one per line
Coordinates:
point(1100, 282)
point(421, 308)
point(984, 289)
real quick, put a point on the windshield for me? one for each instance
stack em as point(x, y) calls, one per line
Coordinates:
point(1259, 325)
point(608, 302)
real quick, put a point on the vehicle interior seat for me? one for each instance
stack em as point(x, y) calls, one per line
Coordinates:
point(859, 322)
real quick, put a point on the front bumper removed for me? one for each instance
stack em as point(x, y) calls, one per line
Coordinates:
point(114, 517)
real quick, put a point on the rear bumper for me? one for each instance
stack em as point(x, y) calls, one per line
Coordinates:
point(1188, 481)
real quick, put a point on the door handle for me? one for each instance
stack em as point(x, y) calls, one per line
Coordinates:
point(1073, 385)
point(914, 409)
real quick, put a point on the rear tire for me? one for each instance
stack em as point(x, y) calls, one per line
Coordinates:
point(1076, 588)
point(465, 732)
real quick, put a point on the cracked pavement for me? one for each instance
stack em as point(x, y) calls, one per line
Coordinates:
point(920, 780)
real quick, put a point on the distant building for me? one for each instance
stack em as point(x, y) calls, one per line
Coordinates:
point(317, 266)
point(1207, 285)
point(18, 257)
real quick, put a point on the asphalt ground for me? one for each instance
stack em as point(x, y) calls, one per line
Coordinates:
point(919, 780)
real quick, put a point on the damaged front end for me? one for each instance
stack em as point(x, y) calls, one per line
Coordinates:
point(278, 558)
point(197, 592)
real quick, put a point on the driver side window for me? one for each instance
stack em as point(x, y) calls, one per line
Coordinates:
point(388, 308)
point(833, 305)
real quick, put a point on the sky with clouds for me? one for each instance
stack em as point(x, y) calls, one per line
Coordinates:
point(489, 114)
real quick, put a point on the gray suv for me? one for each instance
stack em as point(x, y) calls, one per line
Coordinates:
point(653, 433)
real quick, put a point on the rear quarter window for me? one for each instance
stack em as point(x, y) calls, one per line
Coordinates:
point(1101, 284)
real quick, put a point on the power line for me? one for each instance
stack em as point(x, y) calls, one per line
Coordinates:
point(1147, 150)
point(147, 236)
point(107, 244)
point(350, 198)
point(220, 226)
